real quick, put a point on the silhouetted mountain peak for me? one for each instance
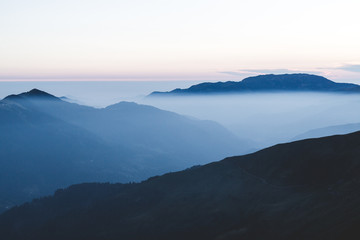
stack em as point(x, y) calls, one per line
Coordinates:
point(37, 92)
point(34, 93)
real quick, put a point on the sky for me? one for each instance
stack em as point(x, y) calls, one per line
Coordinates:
point(212, 40)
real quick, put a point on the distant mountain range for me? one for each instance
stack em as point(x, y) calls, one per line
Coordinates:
point(47, 143)
point(329, 131)
point(267, 83)
point(302, 190)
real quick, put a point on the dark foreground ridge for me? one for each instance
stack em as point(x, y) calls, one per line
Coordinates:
point(308, 189)
point(268, 83)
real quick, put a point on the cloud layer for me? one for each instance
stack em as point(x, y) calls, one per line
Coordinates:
point(349, 68)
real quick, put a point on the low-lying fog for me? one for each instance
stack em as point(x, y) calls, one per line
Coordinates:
point(93, 93)
point(267, 118)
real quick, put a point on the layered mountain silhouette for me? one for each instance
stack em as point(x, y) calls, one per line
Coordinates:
point(329, 131)
point(47, 143)
point(268, 83)
point(302, 190)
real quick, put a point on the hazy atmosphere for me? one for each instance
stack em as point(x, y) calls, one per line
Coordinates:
point(268, 118)
point(262, 118)
point(197, 120)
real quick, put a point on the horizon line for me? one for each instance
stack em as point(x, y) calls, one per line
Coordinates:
point(87, 78)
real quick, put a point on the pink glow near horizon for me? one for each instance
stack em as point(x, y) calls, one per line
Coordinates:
point(158, 40)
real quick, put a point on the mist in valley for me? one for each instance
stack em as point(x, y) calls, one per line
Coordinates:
point(147, 136)
point(97, 94)
point(263, 119)
point(178, 120)
point(49, 143)
point(267, 118)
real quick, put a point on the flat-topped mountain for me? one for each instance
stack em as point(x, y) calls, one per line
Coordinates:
point(302, 190)
point(47, 143)
point(268, 83)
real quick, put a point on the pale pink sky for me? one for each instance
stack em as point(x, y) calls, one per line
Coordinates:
point(178, 40)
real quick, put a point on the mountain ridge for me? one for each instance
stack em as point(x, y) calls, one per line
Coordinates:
point(328, 131)
point(268, 83)
point(80, 144)
point(33, 93)
point(302, 190)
